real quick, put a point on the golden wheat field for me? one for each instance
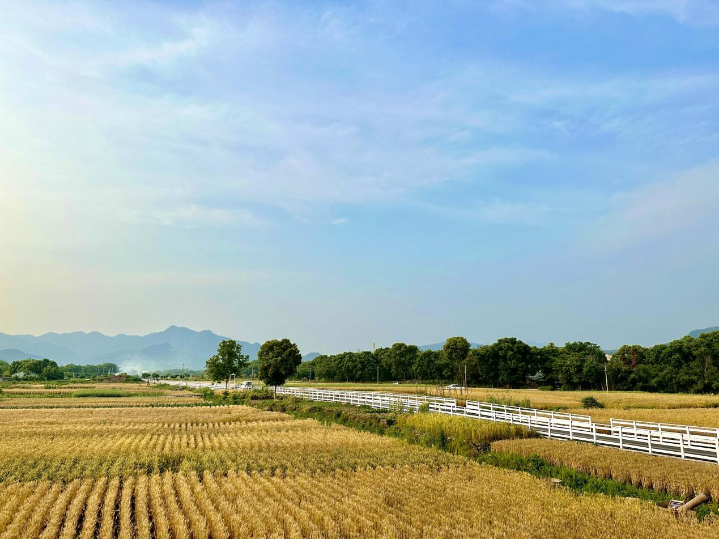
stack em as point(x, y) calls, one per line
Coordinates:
point(146, 471)
point(702, 417)
point(410, 501)
point(153, 440)
point(621, 400)
point(677, 477)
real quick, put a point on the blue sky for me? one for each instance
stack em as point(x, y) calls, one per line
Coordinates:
point(343, 172)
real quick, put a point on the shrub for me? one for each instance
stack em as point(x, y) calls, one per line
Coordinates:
point(546, 388)
point(591, 402)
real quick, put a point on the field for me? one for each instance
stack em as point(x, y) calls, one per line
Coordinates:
point(146, 470)
point(91, 395)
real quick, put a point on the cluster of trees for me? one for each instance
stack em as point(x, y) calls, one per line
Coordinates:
point(685, 365)
point(47, 369)
point(276, 361)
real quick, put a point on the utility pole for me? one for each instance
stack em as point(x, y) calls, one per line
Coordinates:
point(606, 378)
point(374, 353)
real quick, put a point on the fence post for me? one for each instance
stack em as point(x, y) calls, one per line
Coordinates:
point(571, 434)
point(649, 440)
point(621, 443)
point(681, 444)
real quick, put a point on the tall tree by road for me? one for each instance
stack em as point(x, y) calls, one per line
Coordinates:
point(278, 360)
point(456, 350)
point(227, 361)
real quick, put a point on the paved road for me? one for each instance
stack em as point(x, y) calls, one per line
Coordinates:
point(197, 385)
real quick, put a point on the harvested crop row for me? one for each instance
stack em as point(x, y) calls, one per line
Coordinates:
point(59, 420)
point(677, 477)
point(454, 502)
point(62, 402)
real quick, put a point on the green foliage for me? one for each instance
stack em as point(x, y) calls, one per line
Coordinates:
point(685, 365)
point(402, 358)
point(456, 353)
point(278, 361)
point(227, 361)
point(71, 370)
point(591, 402)
point(81, 393)
point(580, 365)
point(546, 388)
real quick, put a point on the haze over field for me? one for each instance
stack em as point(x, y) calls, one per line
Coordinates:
point(342, 173)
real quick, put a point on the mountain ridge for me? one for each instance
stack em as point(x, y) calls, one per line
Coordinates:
point(170, 348)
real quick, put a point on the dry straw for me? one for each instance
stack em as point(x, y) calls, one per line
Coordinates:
point(677, 477)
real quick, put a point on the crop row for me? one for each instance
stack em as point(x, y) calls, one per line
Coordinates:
point(457, 501)
point(140, 420)
point(62, 402)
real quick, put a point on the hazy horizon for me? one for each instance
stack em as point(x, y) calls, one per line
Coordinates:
point(342, 173)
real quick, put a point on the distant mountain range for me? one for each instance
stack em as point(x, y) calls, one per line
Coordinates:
point(13, 354)
point(440, 345)
point(166, 349)
point(698, 332)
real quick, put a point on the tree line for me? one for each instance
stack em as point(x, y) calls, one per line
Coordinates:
point(684, 365)
point(47, 369)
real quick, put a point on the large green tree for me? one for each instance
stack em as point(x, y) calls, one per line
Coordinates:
point(428, 364)
point(278, 360)
point(402, 358)
point(515, 360)
point(456, 350)
point(227, 361)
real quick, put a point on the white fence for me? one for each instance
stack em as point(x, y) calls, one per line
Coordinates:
point(680, 441)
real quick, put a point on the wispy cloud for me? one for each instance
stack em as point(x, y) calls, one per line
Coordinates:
point(702, 12)
point(664, 214)
point(694, 12)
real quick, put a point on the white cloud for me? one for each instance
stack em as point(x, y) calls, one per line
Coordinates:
point(695, 12)
point(664, 214)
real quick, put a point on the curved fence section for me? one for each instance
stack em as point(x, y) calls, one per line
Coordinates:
point(679, 441)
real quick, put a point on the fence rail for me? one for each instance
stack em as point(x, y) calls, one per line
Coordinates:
point(679, 441)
